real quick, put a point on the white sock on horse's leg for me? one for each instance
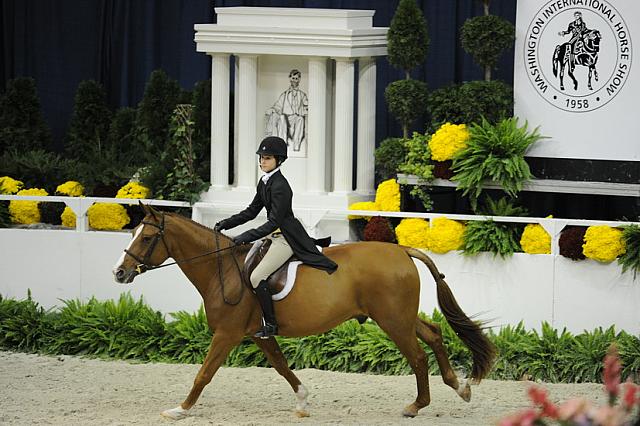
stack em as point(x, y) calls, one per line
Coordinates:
point(175, 413)
point(302, 406)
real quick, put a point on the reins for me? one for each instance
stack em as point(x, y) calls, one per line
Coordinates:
point(189, 259)
point(143, 263)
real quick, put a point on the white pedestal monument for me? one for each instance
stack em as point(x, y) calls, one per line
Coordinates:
point(295, 76)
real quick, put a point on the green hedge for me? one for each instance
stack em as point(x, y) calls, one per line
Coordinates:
point(128, 329)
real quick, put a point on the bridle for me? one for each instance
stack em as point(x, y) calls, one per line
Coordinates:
point(144, 265)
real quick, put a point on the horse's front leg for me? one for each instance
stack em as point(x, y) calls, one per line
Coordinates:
point(275, 357)
point(221, 345)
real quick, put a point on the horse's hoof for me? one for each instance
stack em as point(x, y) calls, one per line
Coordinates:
point(302, 413)
point(177, 413)
point(464, 390)
point(410, 411)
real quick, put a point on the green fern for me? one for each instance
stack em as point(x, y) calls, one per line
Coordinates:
point(583, 362)
point(510, 342)
point(499, 238)
point(630, 259)
point(189, 337)
point(494, 153)
point(128, 329)
point(629, 349)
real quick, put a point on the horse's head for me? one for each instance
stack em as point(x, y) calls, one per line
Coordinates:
point(592, 40)
point(146, 250)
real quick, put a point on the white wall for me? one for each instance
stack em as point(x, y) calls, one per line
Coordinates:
point(533, 288)
point(57, 265)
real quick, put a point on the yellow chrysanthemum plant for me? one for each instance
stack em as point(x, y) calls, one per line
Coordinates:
point(603, 243)
point(10, 186)
point(388, 196)
point(113, 217)
point(133, 190)
point(70, 188)
point(445, 235)
point(448, 140)
point(387, 199)
point(363, 205)
point(107, 217)
point(26, 212)
point(413, 232)
point(535, 240)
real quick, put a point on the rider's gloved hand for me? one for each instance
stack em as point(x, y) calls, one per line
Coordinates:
point(240, 240)
point(220, 226)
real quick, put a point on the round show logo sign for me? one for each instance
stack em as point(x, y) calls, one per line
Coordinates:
point(578, 53)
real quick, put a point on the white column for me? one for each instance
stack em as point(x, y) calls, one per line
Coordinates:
point(366, 125)
point(316, 146)
point(247, 142)
point(220, 121)
point(343, 132)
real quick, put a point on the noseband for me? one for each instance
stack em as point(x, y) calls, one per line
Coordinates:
point(144, 265)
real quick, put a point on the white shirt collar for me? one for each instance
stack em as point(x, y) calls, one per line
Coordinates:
point(265, 177)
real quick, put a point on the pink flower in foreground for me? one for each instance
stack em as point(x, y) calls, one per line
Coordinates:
point(573, 409)
point(539, 397)
point(608, 416)
point(631, 395)
point(612, 369)
point(523, 418)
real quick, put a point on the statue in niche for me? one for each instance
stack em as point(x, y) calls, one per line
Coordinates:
point(287, 118)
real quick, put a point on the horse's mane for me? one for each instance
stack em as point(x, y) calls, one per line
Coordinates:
point(205, 239)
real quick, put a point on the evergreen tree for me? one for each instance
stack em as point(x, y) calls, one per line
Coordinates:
point(121, 137)
point(407, 44)
point(21, 124)
point(202, 128)
point(408, 39)
point(485, 38)
point(160, 98)
point(90, 121)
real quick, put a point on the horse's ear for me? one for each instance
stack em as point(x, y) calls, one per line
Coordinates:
point(155, 213)
point(143, 207)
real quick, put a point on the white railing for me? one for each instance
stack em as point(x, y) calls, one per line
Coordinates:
point(80, 205)
point(553, 226)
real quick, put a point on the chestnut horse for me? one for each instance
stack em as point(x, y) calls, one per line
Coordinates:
point(387, 291)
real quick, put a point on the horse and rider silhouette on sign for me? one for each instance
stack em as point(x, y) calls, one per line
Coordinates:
point(581, 49)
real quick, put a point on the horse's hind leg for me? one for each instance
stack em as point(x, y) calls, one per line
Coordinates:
point(221, 345)
point(275, 357)
point(431, 334)
point(403, 334)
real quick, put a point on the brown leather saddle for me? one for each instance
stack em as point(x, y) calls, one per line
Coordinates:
point(278, 279)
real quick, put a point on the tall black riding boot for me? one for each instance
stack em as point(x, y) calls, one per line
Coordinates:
point(270, 327)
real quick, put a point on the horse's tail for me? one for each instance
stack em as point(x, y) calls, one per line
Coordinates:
point(556, 59)
point(470, 332)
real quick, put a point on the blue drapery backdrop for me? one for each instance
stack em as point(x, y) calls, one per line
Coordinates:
point(120, 42)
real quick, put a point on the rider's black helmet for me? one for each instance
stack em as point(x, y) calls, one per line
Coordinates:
point(273, 145)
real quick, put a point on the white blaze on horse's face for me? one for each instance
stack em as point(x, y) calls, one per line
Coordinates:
point(119, 271)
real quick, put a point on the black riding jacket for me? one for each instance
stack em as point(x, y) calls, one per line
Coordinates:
point(276, 196)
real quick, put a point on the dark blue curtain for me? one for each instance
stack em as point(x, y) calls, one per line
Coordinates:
point(120, 42)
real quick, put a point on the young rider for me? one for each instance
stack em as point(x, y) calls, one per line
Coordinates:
point(286, 233)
